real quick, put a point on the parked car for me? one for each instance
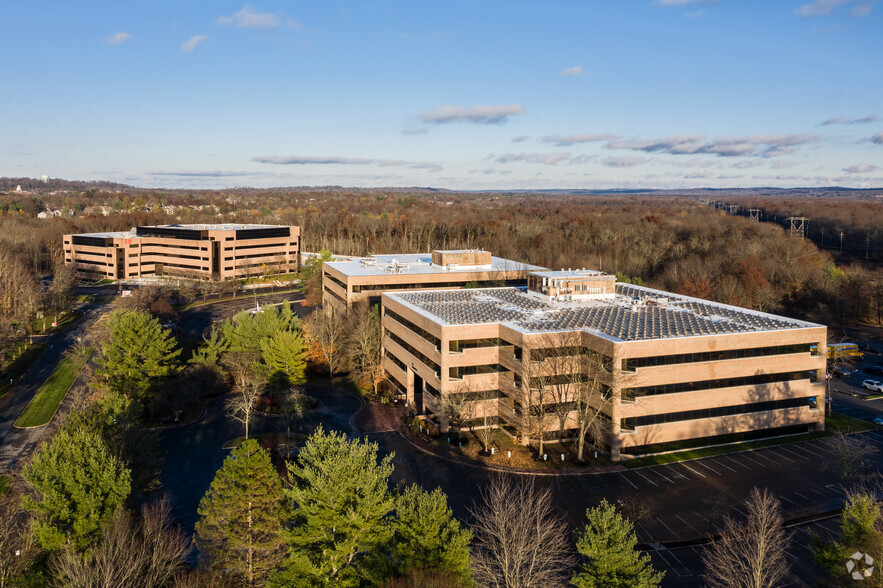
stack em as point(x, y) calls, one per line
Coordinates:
point(841, 372)
point(878, 420)
point(872, 385)
point(874, 370)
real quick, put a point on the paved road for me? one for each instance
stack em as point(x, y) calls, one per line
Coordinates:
point(16, 444)
point(195, 320)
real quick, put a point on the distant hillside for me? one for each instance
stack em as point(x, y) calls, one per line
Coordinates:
point(37, 185)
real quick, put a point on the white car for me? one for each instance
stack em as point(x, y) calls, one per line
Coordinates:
point(872, 385)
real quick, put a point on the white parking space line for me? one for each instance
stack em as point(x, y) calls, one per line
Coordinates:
point(686, 569)
point(795, 454)
point(738, 511)
point(688, 524)
point(666, 526)
point(773, 451)
point(734, 460)
point(705, 465)
point(828, 529)
point(765, 456)
point(785, 498)
point(802, 496)
point(645, 477)
point(821, 447)
point(627, 480)
point(718, 463)
point(670, 566)
point(674, 473)
point(801, 450)
point(751, 459)
point(661, 475)
point(817, 492)
point(692, 470)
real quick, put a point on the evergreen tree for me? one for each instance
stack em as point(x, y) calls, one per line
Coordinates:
point(427, 536)
point(342, 506)
point(285, 353)
point(79, 486)
point(242, 516)
point(608, 543)
point(137, 349)
point(248, 332)
point(212, 350)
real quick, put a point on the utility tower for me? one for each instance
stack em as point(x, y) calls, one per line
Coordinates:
point(754, 214)
point(732, 208)
point(798, 226)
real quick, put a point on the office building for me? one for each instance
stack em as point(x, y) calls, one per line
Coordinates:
point(658, 368)
point(346, 283)
point(202, 252)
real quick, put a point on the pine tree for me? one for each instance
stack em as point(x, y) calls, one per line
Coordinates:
point(137, 349)
point(79, 485)
point(342, 504)
point(285, 353)
point(608, 543)
point(242, 516)
point(427, 536)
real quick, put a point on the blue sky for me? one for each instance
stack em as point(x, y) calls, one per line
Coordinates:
point(458, 94)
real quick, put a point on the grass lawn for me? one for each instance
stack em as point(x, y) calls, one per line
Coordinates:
point(42, 407)
point(66, 321)
point(834, 424)
point(239, 295)
point(19, 366)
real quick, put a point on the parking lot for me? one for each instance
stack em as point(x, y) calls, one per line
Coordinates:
point(687, 498)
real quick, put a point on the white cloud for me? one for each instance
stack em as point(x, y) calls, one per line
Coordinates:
point(782, 164)
point(118, 38)
point(622, 161)
point(578, 138)
point(860, 168)
point(572, 72)
point(819, 8)
point(836, 120)
point(878, 138)
point(486, 114)
point(247, 18)
point(750, 145)
point(202, 174)
point(543, 158)
point(861, 10)
point(748, 163)
point(191, 44)
point(337, 160)
point(520, 139)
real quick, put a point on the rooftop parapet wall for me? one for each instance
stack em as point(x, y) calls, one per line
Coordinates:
point(467, 257)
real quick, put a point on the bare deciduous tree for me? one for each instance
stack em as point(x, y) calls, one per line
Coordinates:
point(247, 387)
point(851, 457)
point(325, 330)
point(364, 350)
point(750, 554)
point(17, 545)
point(148, 552)
point(520, 542)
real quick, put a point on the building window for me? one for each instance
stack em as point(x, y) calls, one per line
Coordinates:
point(705, 413)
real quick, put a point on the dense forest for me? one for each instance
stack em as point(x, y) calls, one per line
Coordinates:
point(674, 243)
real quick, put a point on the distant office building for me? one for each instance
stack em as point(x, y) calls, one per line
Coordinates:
point(202, 252)
point(345, 283)
point(667, 368)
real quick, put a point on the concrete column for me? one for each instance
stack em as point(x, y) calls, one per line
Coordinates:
point(409, 392)
point(616, 429)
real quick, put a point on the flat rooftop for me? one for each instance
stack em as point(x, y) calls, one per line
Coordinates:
point(420, 263)
point(629, 316)
point(192, 227)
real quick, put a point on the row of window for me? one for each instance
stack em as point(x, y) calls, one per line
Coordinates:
point(336, 281)
point(410, 349)
point(426, 285)
point(329, 291)
point(414, 328)
point(457, 373)
point(755, 380)
point(395, 360)
point(704, 413)
point(460, 345)
point(632, 363)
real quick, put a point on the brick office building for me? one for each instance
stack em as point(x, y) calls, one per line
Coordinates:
point(675, 368)
point(345, 283)
point(203, 252)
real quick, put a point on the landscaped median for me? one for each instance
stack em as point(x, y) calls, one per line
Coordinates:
point(43, 406)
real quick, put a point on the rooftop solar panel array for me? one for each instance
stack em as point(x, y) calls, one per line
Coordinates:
point(626, 317)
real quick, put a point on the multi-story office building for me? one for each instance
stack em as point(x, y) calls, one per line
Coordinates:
point(203, 252)
point(345, 283)
point(656, 367)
